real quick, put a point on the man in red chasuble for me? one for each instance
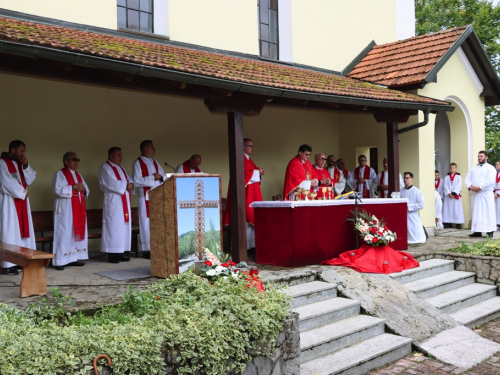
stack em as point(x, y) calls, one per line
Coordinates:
point(252, 192)
point(321, 174)
point(16, 226)
point(299, 173)
point(364, 178)
point(192, 165)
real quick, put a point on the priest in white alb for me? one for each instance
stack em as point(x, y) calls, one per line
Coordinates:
point(480, 181)
point(70, 217)
point(364, 178)
point(336, 175)
point(117, 186)
point(416, 233)
point(147, 174)
point(16, 225)
point(453, 211)
point(382, 182)
point(496, 192)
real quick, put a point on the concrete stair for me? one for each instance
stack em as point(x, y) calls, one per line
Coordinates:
point(454, 292)
point(335, 338)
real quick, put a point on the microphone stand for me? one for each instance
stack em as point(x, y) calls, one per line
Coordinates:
point(356, 199)
point(169, 166)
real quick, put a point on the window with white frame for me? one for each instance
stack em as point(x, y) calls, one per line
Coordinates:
point(268, 29)
point(135, 15)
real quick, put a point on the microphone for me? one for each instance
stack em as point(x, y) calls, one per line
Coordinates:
point(169, 166)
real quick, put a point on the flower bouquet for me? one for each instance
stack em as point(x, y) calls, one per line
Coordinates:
point(372, 230)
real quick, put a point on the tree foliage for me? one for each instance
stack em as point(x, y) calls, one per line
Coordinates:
point(435, 15)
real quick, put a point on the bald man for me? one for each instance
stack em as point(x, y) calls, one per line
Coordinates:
point(190, 166)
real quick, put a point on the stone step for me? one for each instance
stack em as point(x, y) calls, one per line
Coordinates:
point(427, 268)
point(444, 282)
point(331, 337)
point(307, 293)
point(324, 312)
point(463, 297)
point(479, 313)
point(360, 358)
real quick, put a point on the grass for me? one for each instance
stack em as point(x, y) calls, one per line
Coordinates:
point(486, 248)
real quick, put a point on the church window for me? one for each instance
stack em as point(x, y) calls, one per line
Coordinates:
point(268, 29)
point(135, 15)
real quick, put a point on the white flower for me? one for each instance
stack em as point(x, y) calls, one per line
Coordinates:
point(218, 269)
point(211, 273)
point(235, 275)
point(224, 277)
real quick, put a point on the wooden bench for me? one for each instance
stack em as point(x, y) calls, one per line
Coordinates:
point(33, 263)
point(43, 222)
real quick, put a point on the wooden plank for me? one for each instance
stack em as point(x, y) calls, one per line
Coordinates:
point(393, 156)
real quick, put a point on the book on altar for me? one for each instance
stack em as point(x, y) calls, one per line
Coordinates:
point(306, 185)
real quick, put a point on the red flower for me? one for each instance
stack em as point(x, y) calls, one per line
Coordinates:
point(254, 272)
point(232, 263)
point(385, 227)
point(375, 240)
point(225, 265)
point(375, 222)
point(236, 270)
point(373, 230)
point(208, 263)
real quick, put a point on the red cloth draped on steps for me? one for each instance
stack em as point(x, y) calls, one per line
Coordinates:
point(369, 259)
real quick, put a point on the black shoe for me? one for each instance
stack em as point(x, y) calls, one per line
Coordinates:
point(146, 255)
point(121, 258)
point(75, 264)
point(490, 234)
point(446, 225)
point(476, 234)
point(59, 268)
point(10, 271)
point(112, 258)
point(459, 226)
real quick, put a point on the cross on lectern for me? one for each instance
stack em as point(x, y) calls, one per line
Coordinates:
point(199, 204)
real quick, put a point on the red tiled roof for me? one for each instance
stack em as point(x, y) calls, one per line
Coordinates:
point(193, 61)
point(405, 62)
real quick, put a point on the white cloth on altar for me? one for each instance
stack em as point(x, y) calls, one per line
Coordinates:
point(482, 202)
point(439, 209)
point(141, 182)
point(116, 233)
point(440, 188)
point(11, 188)
point(453, 211)
point(378, 182)
point(65, 248)
point(340, 184)
point(370, 183)
point(180, 169)
point(415, 197)
point(497, 200)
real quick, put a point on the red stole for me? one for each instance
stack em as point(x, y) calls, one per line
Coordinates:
point(382, 191)
point(145, 173)
point(437, 182)
point(366, 176)
point(187, 168)
point(452, 176)
point(77, 206)
point(498, 177)
point(21, 204)
point(296, 172)
point(124, 195)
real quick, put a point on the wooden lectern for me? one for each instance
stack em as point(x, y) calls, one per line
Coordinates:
point(180, 191)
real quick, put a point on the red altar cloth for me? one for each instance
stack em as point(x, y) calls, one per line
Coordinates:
point(294, 234)
point(369, 259)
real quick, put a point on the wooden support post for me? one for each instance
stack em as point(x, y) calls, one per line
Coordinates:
point(393, 156)
point(237, 176)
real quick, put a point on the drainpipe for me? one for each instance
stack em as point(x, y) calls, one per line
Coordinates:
point(416, 126)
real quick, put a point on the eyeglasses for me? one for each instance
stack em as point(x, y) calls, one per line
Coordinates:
point(73, 159)
point(309, 154)
point(251, 146)
point(362, 160)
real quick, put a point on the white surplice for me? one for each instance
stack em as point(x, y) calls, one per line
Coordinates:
point(440, 188)
point(116, 232)
point(482, 202)
point(10, 188)
point(66, 249)
point(497, 200)
point(180, 169)
point(369, 183)
point(416, 232)
point(141, 182)
point(439, 209)
point(453, 211)
point(379, 182)
point(340, 184)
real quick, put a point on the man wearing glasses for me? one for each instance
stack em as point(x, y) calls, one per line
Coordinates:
point(70, 219)
point(416, 233)
point(322, 175)
point(253, 175)
point(364, 178)
point(299, 173)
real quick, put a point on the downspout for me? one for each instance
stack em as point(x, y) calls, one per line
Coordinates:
point(416, 126)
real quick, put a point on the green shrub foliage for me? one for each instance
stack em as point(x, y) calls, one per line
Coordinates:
point(211, 328)
point(486, 248)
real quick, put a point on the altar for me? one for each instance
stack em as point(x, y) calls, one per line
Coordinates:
point(300, 233)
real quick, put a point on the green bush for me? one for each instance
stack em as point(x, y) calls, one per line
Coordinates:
point(486, 248)
point(211, 328)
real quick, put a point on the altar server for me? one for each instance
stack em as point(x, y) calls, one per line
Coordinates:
point(496, 192)
point(416, 233)
point(439, 210)
point(299, 173)
point(192, 165)
point(382, 182)
point(480, 181)
point(117, 186)
point(453, 212)
point(438, 184)
point(364, 178)
point(70, 217)
point(16, 225)
point(147, 174)
point(337, 176)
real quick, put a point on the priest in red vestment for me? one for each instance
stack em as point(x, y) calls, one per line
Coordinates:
point(192, 165)
point(321, 174)
point(364, 178)
point(252, 192)
point(299, 172)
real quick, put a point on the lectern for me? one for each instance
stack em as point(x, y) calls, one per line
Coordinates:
point(179, 211)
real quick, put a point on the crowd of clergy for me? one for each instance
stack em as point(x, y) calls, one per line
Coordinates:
point(70, 244)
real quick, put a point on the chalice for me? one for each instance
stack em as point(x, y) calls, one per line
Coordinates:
point(313, 195)
point(323, 190)
point(306, 193)
point(330, 195)
point(297, 194)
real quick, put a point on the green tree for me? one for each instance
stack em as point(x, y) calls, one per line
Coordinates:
point(435, 15)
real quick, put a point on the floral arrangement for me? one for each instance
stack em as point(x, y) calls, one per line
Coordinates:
point(373, 231)
point(215, 269)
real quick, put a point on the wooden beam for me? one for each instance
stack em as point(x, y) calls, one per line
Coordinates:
point(237, 193)
point(394, 116)
point(227, 105)
point(393, 156)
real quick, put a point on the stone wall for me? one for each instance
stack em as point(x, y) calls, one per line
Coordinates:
point(487, 268)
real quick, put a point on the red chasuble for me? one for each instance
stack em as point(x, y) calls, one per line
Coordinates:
point(126, 215)
point(296, 172)
point(366, 176)
point(21, 204)
point(77, 206)
point(321, 174)
point(252, 194)
point(187, 169)
point(145, 173)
